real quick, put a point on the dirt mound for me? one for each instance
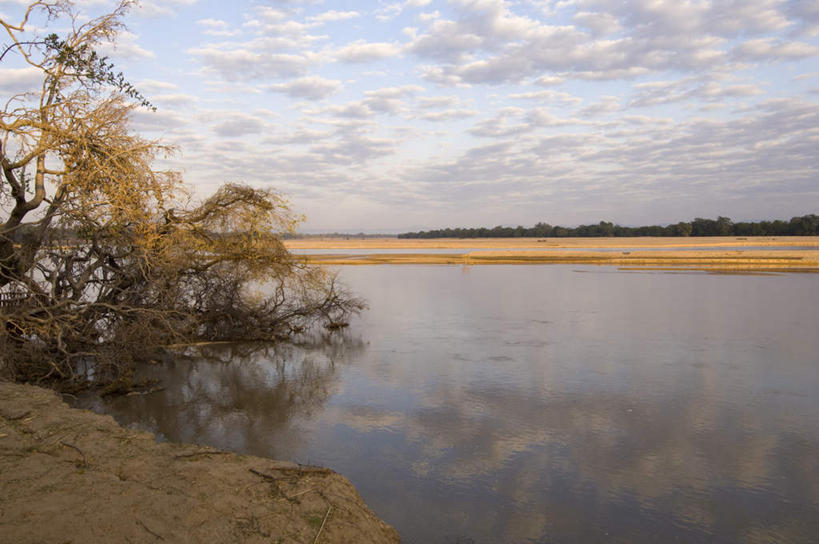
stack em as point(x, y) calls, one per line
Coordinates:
point(70, 475)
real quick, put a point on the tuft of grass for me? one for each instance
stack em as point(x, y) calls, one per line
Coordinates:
point(314, 520)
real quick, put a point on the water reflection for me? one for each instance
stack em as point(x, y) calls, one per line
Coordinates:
point(584, 467)
point(235, 396)
point(537, 404)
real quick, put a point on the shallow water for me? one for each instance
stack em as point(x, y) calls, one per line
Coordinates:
point(537, 404)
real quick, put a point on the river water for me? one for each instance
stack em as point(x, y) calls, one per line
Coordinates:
point(536, 404)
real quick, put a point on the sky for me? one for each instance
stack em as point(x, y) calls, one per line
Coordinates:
point(390, 116)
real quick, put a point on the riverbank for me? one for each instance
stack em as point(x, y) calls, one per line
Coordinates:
point(70, 475)
point(548, 243)
point(718, 254)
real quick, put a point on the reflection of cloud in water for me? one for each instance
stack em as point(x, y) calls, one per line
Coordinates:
point(655, 461)
point(366, 419)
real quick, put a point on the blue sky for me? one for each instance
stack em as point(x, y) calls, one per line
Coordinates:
point(393, 116)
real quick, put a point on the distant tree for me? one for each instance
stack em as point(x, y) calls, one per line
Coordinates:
point(682, 229)
point(542, 230)
point(724, 226)
point(703, 227)
point(606, 228)
point(780, 228)
point(807, 225)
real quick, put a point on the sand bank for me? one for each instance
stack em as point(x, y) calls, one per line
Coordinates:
point(512, 243)
point(738, 255)
point(70, 475)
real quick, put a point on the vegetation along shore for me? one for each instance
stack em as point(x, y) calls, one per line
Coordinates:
point(806, 225)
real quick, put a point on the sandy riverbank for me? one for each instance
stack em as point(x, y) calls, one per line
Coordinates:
point(546, 243)
point(738, 255)
point(70, 475)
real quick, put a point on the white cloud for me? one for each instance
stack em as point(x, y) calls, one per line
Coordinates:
point(350, 110)
point(448, 115)
point(606, 105)
point(155, 86)
point(20, 80)
point(806, 14)
point(363, 52)
point(395, 92)
point(438, 101)
point(390, 99)
point(174, 99)
point(268, 14)
point(546, 95)
point(219, 28)
point(727, 18)
point(237, 124)
point(355, 149)
point(771, 49)
point(159, 121)
point(126, 47)
point(251, 61)
point(332, 16)
point(601, 24)
point(216, 24)
point(488, 43)
point(549, 81)
point(701, 88)
point(151, 8)
point(310, 88)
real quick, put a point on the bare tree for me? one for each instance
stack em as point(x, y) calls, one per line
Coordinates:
point(103, 259)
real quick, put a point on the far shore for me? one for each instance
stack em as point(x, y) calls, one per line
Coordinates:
point(503, 243)
point(729, 254)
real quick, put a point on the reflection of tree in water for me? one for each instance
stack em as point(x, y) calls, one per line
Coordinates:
point(249, 398)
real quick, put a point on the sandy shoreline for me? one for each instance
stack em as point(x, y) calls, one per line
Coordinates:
point(547, 243)
point(738, 255)
point(70, 475)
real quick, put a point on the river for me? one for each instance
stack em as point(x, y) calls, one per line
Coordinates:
point(544, 403)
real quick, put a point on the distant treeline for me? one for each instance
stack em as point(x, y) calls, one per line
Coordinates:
point(807, 225)
point(339, 235)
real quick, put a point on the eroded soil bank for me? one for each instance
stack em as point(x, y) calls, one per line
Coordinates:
point(71, 475)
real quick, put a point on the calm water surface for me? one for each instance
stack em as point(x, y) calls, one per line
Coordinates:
point(538, 404)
